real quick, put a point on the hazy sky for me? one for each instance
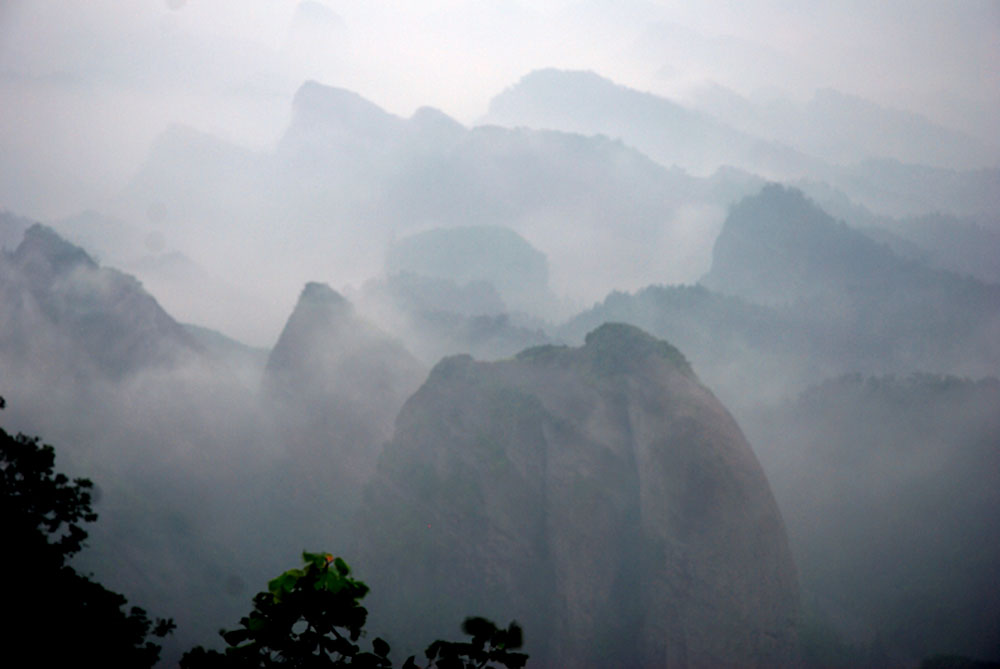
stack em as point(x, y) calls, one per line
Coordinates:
point(87, 84)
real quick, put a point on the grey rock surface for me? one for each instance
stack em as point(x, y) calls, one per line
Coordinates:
point(599, 495)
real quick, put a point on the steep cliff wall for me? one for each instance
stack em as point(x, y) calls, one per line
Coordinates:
point(600, 495)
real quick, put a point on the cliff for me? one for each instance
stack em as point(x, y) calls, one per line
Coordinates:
point(600, 495)
point(335, 384)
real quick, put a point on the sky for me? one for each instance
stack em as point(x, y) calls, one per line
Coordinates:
point(87, 85)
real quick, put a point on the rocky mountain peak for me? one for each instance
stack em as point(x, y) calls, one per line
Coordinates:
point(329, 113)
point(623, 348)
point(66, 309)
point(316, 294)
point(778, 246)
point(43, 253)
point(336, 382)
point(318, 309)
point(599, 495)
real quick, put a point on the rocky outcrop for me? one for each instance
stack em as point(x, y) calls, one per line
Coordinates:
point(337, 382)
point(600, 495)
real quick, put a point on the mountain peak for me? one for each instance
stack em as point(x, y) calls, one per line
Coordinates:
point(318, 309)
point(317, 293)
point(778, 246)
point(42, 248)
point(102, 320)
point(544, 465)
point(578, 94)
point(329, 108)
point(339, 382)
point(435, 124)
point(550, 75)
point(622, 348)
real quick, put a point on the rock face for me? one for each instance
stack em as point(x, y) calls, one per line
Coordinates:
point(600, 495)
point(61, 313)
point(337, 383)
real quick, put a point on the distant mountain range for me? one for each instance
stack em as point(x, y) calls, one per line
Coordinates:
point(670, 133)
point(794, 296)
point(894, 162)
point(585, 167)
point(347, 179)
point(584, 474)
point(843, 129)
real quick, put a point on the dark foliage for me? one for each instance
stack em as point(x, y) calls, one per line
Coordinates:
point(312, 617)
point(490, 644)
point(42, 514)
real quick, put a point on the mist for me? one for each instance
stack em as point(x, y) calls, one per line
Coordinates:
point(488, 286)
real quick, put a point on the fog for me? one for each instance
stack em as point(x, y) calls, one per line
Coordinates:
point(88, 86)
point(241, 244)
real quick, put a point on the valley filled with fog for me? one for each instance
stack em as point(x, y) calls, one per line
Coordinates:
point(672, 334)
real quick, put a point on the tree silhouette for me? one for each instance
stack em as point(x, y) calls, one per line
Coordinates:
point(312, 617)
point(53, 614)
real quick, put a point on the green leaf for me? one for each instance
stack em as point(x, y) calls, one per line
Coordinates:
point(285, 583)
point(330, 581)
point(322, 623)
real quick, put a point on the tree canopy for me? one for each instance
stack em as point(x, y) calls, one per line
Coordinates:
point(312, 617)
point(53, 613)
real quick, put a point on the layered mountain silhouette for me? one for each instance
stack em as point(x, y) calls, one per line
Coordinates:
point(957, 244)
point(583, 102)
point(600, 495)
point(893, 162)
point(779, 248)
point(66, 314)
point(794, 296)
point(439, 317)
point(495, 255)
point(843, 129)
point(347, 178)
